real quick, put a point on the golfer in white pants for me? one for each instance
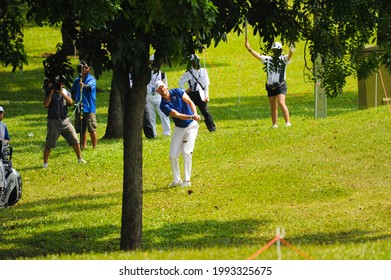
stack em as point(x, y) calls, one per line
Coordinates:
point(177, 104)
point(153, 102)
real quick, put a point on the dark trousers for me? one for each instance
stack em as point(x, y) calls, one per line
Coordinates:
point(196, 98)
point(147, 125)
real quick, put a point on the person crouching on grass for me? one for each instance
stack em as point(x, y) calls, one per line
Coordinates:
point(178, 105)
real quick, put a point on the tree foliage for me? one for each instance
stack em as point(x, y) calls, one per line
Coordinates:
point(339, 33)
point(11, 35)
point(335, 30)
point(57, 65)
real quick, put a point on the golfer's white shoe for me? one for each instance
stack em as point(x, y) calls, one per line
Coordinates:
point(186, 184)
point(175, 184)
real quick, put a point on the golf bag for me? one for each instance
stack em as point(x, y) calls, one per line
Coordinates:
point(10, 179)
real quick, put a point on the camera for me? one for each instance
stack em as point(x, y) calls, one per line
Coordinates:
point(80, 68)
point(58, 80)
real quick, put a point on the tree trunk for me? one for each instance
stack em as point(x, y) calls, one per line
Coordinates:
point(131, 230)
point(68, 33)
point(115, 120)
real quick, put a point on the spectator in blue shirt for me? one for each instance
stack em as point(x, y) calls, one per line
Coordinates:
point(86, 121)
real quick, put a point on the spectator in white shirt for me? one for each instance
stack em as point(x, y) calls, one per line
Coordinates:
point(153, 101)
point(198, 89)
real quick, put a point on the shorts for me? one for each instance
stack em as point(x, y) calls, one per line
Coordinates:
point(276, 89)
point(87, 123)
point(57, 127)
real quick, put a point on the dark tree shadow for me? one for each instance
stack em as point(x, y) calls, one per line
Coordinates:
point(77, 239)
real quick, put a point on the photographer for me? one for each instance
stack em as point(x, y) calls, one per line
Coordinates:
point(84, 90)
point(57, 99)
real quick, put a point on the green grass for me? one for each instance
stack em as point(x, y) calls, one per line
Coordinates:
point(326, 181)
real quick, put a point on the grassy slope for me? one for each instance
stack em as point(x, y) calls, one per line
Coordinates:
point(325, 181)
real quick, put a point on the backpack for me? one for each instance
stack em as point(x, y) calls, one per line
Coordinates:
point(10, 179)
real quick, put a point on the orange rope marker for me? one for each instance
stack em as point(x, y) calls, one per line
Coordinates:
point(256, 254)
point(295, 249)
point(279, 237)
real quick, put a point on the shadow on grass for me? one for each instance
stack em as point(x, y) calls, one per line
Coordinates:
point(75, 240)
point(203, 234)
point(355, 236)
point(28, 231)
point(79, 240)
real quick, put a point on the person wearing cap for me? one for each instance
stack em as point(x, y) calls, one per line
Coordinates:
point(87, 121)
point(276, 86)
point(4, 136)
point(198, 89)
point(57, 99)
point(153, 100)
point(178, 105)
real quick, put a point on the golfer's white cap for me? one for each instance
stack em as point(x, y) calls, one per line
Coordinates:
point(158, 84)
point(1, 109)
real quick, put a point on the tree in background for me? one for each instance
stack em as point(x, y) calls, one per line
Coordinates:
point(11, 35)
